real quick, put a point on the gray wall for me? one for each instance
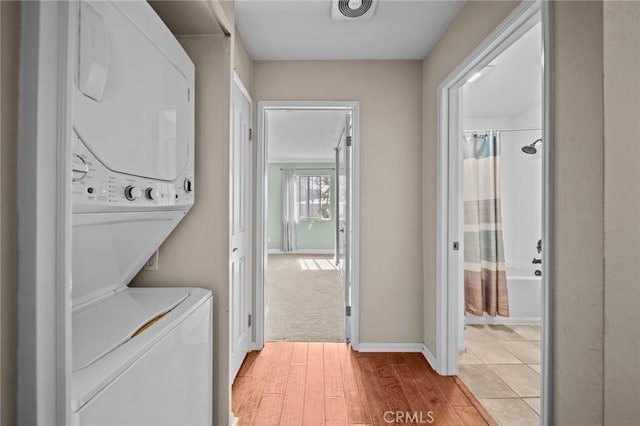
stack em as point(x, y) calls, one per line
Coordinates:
point(9, 57)
point(578, 151)
point(390, 170)
point(622, 212)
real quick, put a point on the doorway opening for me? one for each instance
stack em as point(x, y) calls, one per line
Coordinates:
point(494, 183)
point(306, 274)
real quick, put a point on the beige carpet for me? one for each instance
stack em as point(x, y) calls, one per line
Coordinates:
point(305, 299)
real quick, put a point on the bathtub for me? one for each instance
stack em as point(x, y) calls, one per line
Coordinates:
point(525, 299)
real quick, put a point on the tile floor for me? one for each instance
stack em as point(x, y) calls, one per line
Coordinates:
point(501, 367)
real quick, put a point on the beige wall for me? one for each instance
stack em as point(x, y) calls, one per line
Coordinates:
point(578, 198)
point(473, 24)
point(390, 170)
point(622, 212)
point(196, 254)
point(243, 65)
point(10, 34)
point(578, 272)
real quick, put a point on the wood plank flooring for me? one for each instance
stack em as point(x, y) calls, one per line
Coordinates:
point(299, 383)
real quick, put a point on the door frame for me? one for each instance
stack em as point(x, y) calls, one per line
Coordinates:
point(43, 369)
point(261, 208)
point(237, 83)
point(448, 309)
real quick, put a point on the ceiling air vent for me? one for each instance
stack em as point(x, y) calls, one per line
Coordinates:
point(353, 9)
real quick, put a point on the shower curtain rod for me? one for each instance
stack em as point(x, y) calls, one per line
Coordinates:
point(310, 168)
point(499, 130)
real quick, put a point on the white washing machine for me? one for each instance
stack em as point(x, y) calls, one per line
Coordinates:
point(141, 356)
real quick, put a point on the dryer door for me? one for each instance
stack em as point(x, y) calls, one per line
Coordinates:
point(132, 101)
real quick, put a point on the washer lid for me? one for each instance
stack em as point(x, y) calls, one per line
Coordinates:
point(133, 91)
point(101, 327)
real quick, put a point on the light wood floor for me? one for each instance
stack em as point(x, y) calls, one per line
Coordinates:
point(329, 384)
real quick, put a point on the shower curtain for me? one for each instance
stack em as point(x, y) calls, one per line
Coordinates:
point(485, 279)
point(289, 210)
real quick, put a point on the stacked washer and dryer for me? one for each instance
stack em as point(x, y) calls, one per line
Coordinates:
point(141, 356)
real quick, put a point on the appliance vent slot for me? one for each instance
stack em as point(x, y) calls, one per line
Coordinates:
point(346, 10)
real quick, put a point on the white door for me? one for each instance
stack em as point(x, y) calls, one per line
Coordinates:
point(343, 216)
point(240, 257)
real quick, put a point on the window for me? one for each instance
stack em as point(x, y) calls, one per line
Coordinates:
point(314, 197)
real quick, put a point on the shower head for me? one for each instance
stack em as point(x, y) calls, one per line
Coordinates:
point(531, 148)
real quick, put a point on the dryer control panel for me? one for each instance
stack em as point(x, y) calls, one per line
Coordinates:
point(95, 188)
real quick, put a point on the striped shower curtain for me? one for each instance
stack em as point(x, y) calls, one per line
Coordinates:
point(289, 219)
point(485, 279)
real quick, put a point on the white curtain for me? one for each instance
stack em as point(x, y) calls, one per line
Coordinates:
point(289, 185)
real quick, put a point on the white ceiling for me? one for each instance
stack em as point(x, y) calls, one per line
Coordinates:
point(304, 29)
point(515, 84)
point(303, 135)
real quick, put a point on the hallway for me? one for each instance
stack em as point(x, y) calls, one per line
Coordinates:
point(299, 383)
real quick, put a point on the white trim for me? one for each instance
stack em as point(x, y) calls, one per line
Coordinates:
point(519, 21)
point(391, 347)
point(430, 358)
point(44, 208)
point(302, 251)
point(502, 320)
point(547, 220)
point(261, 206)
point(244, 91)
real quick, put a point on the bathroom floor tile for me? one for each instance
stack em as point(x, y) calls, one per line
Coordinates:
point(533, 403)
point(522, 379)
point(468, 357)
point(538, 343)
point(529, 332)
point(491, 352)
point(502, 332)
point(511, 412)
point(526, 352)
point(484, 382)
point(536, 368)
point(476, 332)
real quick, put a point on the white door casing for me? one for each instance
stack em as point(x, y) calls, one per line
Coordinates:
point(352, 108)
point(240, 256)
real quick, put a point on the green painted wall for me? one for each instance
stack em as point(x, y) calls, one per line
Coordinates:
point(312, 234)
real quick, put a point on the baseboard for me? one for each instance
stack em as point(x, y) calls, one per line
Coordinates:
point(475, 320)
point(429, 357)
point(302, 251)
point(390, 347)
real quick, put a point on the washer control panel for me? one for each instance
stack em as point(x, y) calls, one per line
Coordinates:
point(98, 189)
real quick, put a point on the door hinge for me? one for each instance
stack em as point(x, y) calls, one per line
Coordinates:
point(348, 311)
point(188, 94)
point(348, 140)
point(456, 246)
point(249, 320)
point(250, 134)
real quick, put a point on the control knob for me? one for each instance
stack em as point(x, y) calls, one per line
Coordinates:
point(131, 193)
point(151, 194)
point(79, 168)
